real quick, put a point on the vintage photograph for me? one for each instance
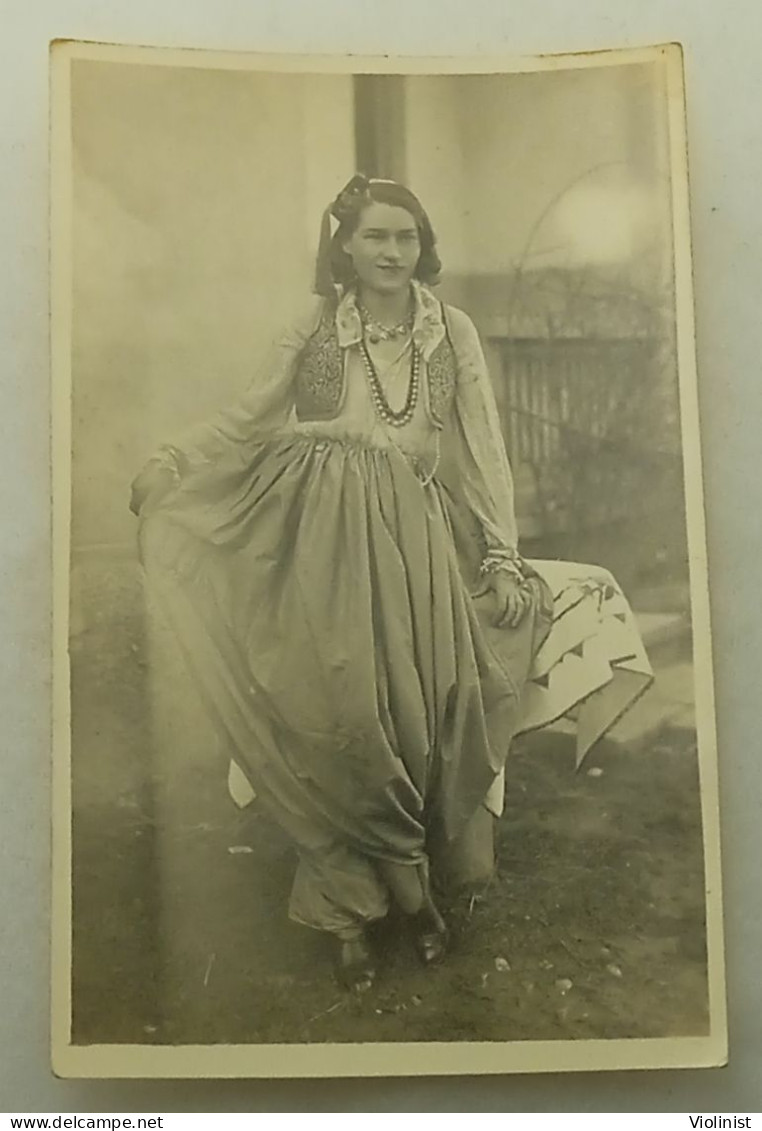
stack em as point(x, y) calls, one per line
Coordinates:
point(383, 665)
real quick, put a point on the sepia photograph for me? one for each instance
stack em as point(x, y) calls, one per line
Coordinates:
point(384, 727)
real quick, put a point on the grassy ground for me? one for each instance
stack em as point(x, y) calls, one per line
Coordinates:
point(592, 928)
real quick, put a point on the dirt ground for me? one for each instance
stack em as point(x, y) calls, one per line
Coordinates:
point(593, 926)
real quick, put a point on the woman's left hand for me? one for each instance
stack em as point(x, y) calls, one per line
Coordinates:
point(153, 482)
point(513, 599)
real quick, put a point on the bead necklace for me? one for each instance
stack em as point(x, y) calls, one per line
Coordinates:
point(380, 403)
point(376, 330)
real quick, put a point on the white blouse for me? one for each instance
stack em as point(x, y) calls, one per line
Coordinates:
point(472, 434)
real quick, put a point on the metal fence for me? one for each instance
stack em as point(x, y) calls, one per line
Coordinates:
point(552, 390)
point(587, 424)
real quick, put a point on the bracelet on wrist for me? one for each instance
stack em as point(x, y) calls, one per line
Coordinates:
point(502, 561)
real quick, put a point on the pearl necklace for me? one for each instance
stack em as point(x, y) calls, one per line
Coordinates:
point(377, 332)
point(380, 403)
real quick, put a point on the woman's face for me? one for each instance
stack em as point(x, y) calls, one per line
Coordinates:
point(384, 248)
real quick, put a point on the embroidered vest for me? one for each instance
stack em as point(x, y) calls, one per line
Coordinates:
point(320, 385)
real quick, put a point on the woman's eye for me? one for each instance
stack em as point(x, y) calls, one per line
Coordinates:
point(380, 237)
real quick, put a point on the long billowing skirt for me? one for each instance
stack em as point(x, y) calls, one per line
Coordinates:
point(323, 594)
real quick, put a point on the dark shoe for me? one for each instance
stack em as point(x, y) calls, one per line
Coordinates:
point(355, 967)
point(430, 935)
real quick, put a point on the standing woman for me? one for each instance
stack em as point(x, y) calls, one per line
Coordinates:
point(338, 556)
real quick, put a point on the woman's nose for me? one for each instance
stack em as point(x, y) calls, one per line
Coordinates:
point(391, 249)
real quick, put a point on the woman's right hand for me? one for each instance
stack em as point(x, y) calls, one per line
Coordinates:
point(512, 599)
point(153, 481)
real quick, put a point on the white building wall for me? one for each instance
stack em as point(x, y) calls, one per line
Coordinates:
point(529, 169)
point(197, 204)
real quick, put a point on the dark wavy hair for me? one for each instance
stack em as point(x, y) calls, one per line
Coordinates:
point(348, 208)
